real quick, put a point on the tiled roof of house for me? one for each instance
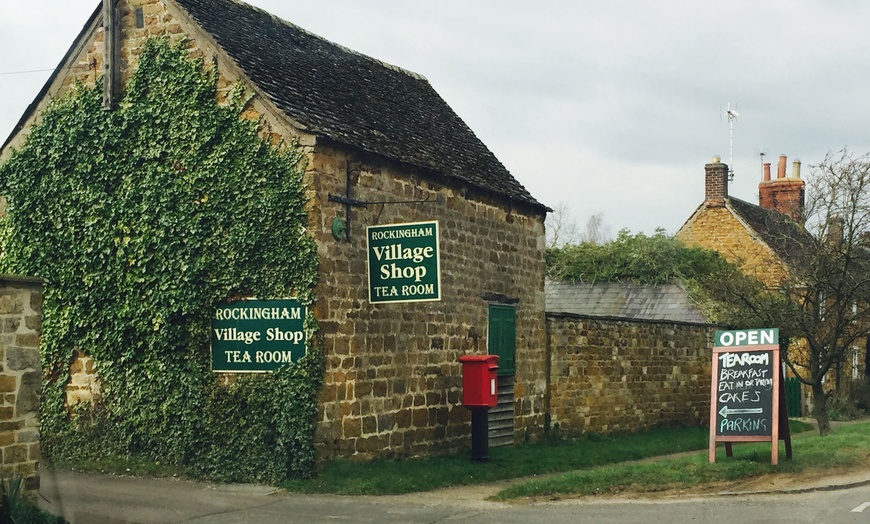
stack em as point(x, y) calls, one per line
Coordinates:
point(788, 239)
point(353, 99)
point(668, 302)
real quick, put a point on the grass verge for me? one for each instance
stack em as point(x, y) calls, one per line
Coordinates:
point(594, 464)
point(845, 449)
point(388, 477)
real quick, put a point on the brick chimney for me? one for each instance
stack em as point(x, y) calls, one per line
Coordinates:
point(715, 183)
point(784, 194)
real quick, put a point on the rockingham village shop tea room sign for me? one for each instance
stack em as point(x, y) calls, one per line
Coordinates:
point(251, 336)
point(404, 262)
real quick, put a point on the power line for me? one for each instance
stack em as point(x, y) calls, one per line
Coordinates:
point(4, 73)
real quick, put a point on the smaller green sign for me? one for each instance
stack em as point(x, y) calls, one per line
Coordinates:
point(404, 262)
point(252, 336)
point(747, 337)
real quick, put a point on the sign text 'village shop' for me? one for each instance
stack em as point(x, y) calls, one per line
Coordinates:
point(404, 262)
point(257, 335)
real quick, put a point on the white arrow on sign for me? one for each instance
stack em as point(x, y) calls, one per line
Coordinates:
point(739, 411)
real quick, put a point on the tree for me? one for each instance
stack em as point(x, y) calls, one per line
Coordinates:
point(833, 290)
point(563, 229)
point(597, 231)
point(656, 259)
point(823, 306)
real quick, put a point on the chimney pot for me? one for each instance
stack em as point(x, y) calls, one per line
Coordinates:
point(785, 195)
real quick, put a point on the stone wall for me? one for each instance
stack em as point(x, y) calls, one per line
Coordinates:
point(20, 378)
point(84, 385)
point(627, 375)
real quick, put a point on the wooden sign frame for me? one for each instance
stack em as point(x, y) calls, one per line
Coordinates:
point(771, 410)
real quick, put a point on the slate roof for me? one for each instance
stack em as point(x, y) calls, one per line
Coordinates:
point(351, 98)
point(668, 302)
point(788, 239)
point(343, 95)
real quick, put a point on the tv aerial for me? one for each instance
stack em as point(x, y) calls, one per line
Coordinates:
point(762, 152)
point(731, 115)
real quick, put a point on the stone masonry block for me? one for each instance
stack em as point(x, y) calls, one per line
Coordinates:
point(36, 302)
point(9, 325)
point(8, 383)
point(28, 394)
point(351, 427)
point(21, 358)
point(369, 424)
point(33, 322)
point(30, 340)
point(27, 436)
point(11, 303)
point(14, 454)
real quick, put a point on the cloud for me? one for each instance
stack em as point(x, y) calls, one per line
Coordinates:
point(614, 105)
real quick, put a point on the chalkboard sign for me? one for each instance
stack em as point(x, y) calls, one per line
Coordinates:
point(745, 389)
point(744, 393)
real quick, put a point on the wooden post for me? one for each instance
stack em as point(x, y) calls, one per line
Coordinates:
point(111, 51)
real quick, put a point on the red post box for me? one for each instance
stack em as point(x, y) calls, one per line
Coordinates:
point(479, 380)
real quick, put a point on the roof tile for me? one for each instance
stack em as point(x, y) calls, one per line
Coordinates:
point(351, 98)
point(788, 239)
point(668, 302)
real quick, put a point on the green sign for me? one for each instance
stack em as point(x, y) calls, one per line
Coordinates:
point(252, 336)
point(404, 263)
point(747, 337)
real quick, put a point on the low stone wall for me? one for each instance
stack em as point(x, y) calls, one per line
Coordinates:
point(626, 375)
point(20, 378)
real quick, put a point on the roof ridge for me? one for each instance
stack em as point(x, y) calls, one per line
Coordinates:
point(387, 65)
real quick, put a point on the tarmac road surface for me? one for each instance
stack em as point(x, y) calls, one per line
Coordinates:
point(97, 499)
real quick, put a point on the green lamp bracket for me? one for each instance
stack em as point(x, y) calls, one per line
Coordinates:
point(338, 228)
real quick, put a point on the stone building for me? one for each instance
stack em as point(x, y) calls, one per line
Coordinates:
point(382, 148)
point(763, 238)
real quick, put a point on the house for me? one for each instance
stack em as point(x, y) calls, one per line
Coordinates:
point(763, 238)
point(766, 239)
point(626, 357)
point(383, 150)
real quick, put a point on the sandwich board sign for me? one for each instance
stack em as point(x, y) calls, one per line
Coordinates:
point(745, 389)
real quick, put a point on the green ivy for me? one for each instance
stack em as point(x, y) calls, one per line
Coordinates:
point(142, 220)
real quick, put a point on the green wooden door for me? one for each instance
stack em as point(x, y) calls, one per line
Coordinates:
point(793, 397)
point(502, 337)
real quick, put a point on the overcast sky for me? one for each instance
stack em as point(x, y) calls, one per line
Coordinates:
point(611, 107)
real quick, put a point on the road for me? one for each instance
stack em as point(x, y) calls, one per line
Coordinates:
point(108, 499)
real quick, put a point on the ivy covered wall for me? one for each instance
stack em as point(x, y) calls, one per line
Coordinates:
point(142, 220)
